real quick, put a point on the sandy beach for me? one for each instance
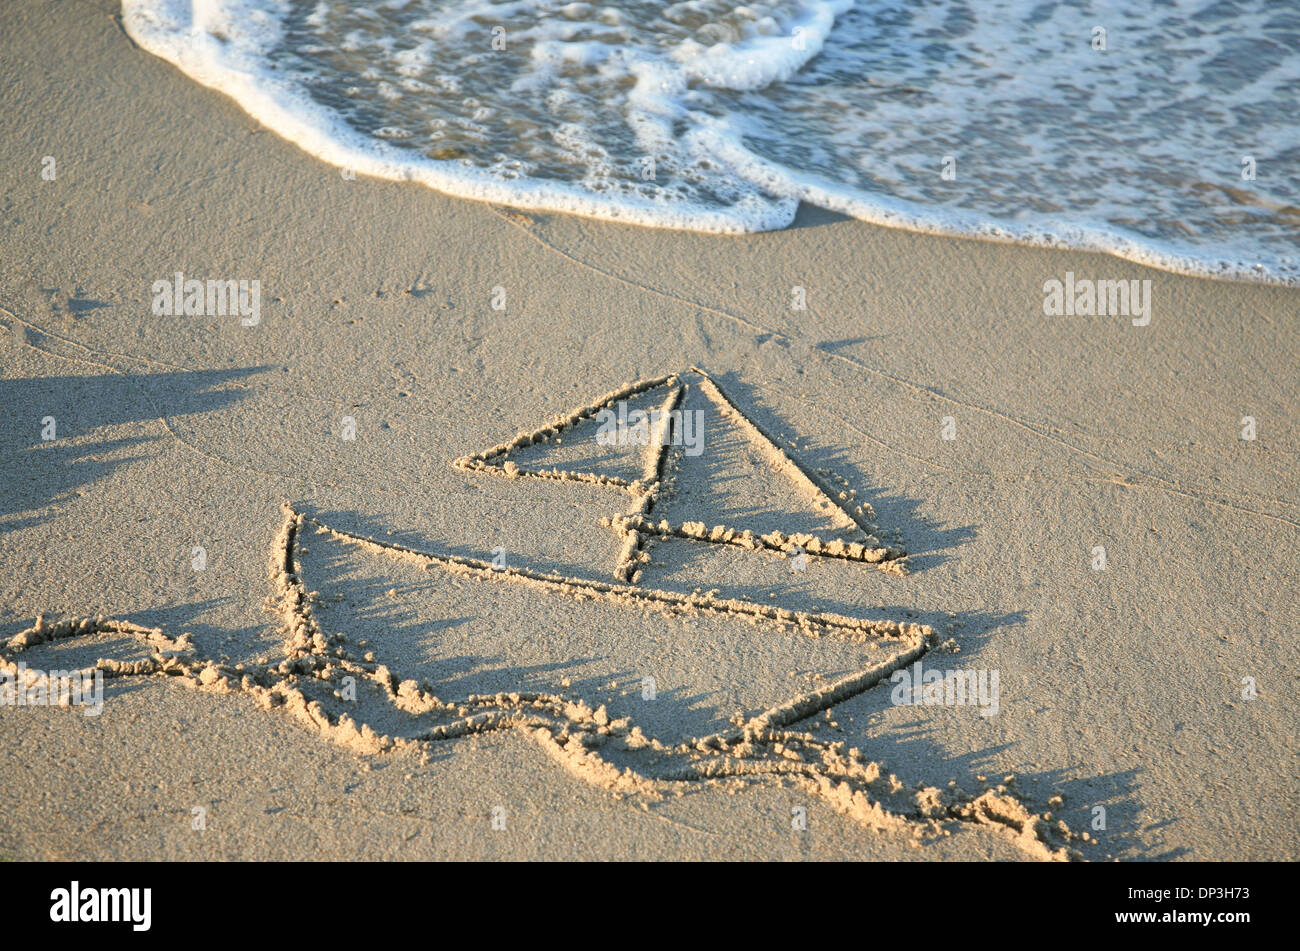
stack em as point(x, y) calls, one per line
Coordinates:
point(325, 639)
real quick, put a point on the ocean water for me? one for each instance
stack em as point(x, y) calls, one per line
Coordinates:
point(1172, 138)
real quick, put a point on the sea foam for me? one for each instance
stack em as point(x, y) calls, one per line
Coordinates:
point(1008, 119)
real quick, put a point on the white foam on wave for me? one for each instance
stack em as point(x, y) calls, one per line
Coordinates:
point(958, 223)
point(710, 94)
point(223, 44)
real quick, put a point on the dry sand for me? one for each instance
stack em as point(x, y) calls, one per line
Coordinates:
point(497, 635)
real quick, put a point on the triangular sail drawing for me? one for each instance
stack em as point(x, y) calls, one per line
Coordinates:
point(572, 447)
point(706, 473)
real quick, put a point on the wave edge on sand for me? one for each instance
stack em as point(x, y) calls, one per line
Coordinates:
point(710, 175)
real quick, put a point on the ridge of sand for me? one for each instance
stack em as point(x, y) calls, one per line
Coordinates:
point(813, 624)
point(609, 753)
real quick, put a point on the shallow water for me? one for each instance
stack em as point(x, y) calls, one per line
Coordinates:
point(998, 118)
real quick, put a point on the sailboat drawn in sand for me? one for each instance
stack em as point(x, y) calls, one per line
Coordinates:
point(673, 449)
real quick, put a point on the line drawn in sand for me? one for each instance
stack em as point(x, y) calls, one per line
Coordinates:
point(319, 668)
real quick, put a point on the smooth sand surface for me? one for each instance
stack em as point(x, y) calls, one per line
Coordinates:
point(1120, 688)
